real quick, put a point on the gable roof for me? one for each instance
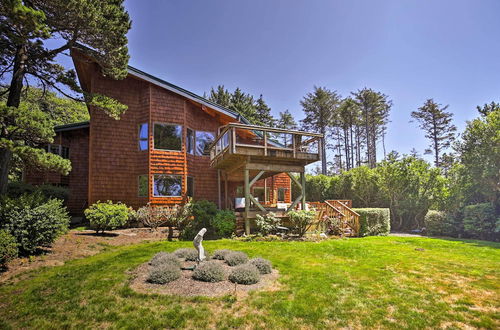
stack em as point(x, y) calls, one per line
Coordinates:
point(171, 87)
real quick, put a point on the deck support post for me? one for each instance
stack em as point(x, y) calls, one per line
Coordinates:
point(303, 189)
point(218, 189)
point(247, 201)
point(226, 203)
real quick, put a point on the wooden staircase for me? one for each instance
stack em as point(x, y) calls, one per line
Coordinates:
point(338, 212)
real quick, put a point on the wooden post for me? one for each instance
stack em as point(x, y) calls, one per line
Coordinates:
point(303, 188)
point(226, 204)
point(218, 189)
point(247, 201)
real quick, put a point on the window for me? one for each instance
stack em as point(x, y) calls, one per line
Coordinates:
point(143, 186)
point(167, 185)
point(281, 194)
point(261, 194)
point(190, 141)
point(167, 137)
point(203, 141)
point(143, 136)
point(58, 149)
point(190, 186)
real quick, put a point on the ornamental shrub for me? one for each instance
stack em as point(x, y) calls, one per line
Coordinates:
point(17, 189)
point(267, 224)
point(202, 212)
point(164, 257)
point(245, 274)
point(224, 223)
point(220, 254)
point(301, 220)
point(188, 254)
point(209, 271)
point(33, 221)
point(440, 224)
point(107, 215)
point(374, 221)
point(235, 258)
point(480, 221)
point(263, 265)
point(8, 247)
point(164, 273)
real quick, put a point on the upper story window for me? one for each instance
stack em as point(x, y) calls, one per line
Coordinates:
point(190, 141)
point(203, 141)
point(58, 150)
point(143, 136)
point(167, 137)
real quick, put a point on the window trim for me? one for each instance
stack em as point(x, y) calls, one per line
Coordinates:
point(139, 186)
point(139, 139)
point(169, 196)
point(169, 124)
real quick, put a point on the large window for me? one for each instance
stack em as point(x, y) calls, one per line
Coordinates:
point(190, 186)
point(143, 186)
point(167, 185)
point(167, 137)
point(203, 141)
point(58, 149)
point(190, 141)
point(143, 136)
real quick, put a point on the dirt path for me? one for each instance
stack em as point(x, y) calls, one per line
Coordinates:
point(79, 244)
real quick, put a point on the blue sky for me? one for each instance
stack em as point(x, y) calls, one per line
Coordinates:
point(409, 50)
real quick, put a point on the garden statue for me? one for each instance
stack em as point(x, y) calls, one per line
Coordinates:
point(197, 244)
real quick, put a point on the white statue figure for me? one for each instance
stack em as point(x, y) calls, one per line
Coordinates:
point(197, 244)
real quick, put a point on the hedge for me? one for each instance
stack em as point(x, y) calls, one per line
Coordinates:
point(440, 224)
point(481, 221)
point(374, 221)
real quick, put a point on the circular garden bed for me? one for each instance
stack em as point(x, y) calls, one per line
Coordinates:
point(226, 272)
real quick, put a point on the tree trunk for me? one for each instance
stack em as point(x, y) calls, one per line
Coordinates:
point(13, 100)
point(323, 153)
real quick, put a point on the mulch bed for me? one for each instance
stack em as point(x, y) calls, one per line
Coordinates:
point(188, 287)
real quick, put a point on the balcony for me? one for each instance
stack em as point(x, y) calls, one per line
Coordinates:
point(260, 148)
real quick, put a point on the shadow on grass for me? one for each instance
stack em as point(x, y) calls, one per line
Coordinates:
point(474, 242)
point(105, 234)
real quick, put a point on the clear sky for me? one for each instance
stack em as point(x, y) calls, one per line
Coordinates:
point(409, 50)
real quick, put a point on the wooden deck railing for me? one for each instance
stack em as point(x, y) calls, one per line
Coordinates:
point(337, 209)
point(267, 139)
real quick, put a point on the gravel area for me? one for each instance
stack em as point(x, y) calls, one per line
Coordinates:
point(187, 286)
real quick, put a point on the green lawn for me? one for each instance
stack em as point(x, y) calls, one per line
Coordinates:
point(387, 282)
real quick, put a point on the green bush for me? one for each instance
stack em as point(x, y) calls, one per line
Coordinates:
point(188, 254)
point(202, 212)
point(301, 220)
point(374, 221)
point(440, 224)
point(236, 258)
point(224, 223)
point(480, 221)
point(164, 273)
point(245, 274)
point(210, 271)
point(163, 258)
point(263, 265)
point(220, 254)
point(267, 223)
point(16, 189)
point(107, 215)
point(8, 247)
point(33, 221)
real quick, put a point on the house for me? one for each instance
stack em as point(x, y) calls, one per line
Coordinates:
point(172, 144)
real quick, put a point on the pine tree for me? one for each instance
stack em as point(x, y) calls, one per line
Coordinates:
point(488, 108)
point(347, 118)
point(244, 104)
point(319, 109)
point(220, 96)
point(438, 127)
point(26, 56)
point(374, 107)
point(286, 121)
point(264, 116)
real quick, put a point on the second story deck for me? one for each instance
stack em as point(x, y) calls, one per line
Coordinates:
point(264, 148)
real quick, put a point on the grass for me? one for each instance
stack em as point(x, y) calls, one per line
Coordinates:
point(388, 282)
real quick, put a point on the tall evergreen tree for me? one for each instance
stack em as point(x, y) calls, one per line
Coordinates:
point(488, 108)
point(243, 103)
point(347, 119)
point(437, 125)
point(319, 109)
point(264, 116)
point(374, 107)
point(286, 121)
point(221, 96)
point(25, 26)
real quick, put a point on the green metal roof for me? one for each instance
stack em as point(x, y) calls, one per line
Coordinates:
point(72, 126)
